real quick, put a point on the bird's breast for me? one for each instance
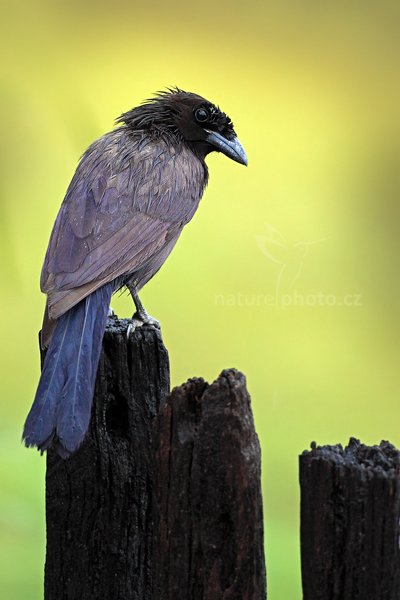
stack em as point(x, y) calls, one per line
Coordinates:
point(167, 182)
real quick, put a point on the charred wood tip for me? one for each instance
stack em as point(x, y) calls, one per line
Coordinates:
point(379, 460)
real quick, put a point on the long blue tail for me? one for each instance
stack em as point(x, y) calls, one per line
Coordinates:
point(61, 410)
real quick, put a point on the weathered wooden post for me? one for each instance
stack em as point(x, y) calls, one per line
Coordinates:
point(99, 501)
point(209, 505)
point(350, 522)
point(157, 508)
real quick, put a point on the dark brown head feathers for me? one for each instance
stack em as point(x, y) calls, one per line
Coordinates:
point(173, 111)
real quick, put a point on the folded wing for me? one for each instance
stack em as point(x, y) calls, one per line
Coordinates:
point(129, 199)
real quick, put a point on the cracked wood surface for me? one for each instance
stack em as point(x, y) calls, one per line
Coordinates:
point(209, 506)
point(99, 501)
point(350, 522)
point(151, 507)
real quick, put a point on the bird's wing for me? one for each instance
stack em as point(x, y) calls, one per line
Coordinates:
point(122, 206)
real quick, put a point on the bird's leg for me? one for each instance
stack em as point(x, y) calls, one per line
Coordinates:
point(141, 316)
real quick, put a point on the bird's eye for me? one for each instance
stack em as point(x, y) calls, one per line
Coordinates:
point(201, 115)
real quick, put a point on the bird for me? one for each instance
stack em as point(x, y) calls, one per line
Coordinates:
point(133, 191)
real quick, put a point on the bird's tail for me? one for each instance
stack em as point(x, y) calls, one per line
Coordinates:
point(61, 410)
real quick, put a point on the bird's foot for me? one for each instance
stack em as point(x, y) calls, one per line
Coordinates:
point(140, 319)
point(111, 313)
point(144, 318)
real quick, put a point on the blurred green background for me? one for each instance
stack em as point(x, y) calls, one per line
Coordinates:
point(289, 270)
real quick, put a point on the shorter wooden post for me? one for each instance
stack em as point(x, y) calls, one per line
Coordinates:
point(209, 541)
point(350, 515)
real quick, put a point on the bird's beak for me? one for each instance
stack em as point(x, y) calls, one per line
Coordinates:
point(231, 148)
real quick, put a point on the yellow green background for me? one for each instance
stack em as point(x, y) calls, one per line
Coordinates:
point(313, 90)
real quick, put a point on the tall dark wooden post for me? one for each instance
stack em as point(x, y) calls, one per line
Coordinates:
point(99, 501)
point(350, 522)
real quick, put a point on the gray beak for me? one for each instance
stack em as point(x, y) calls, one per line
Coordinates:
point(231, 148)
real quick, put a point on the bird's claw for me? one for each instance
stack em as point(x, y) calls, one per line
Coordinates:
point(138, 320)
point(133, 325)
point(145, 319)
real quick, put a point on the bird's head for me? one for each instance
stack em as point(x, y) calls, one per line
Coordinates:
point(191, 118)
